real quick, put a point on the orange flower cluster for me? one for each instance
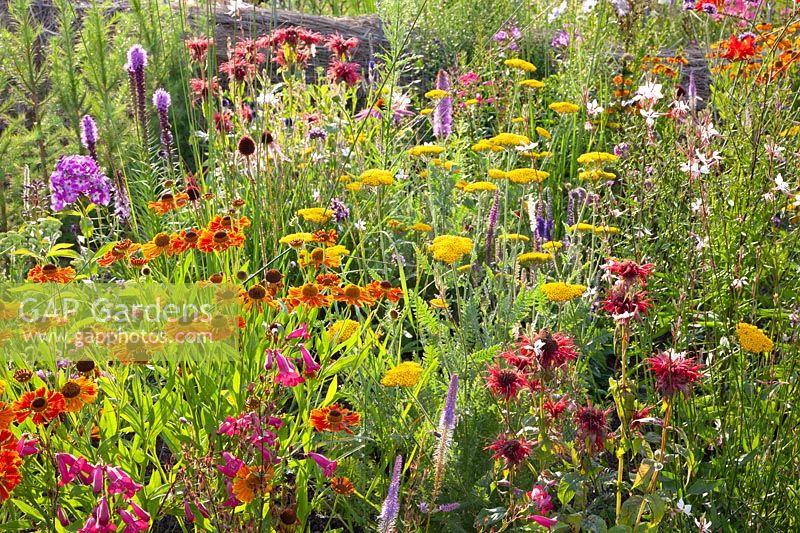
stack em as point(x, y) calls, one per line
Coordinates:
point(10, 463)
point(770, 54)
point(51, 274)
point(663, 65)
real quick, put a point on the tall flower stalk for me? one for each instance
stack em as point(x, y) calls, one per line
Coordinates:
point(162, 101)
point(447, 424)
point(89, 135)
point(391, 505)
point(443, 115)
point(137, 61)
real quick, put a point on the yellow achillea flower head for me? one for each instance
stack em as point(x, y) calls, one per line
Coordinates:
point(562, 292)
point(318, 215)
point(425, 111)
point(425, 149)
point(597, 158)
point(596, 175)
point(520, 64)
point(583, 227)
point(609, 230)
point(297, 239)
point(753, 339)
point(376, 177)
point(527, 175)
point(564, 108)
point(450, 248)
point(552, 246)
point(438, 303)
point(497, 174)
point(345, 179)
point(460, 184)
point(532, 84)
point(535, 257)
point(480, 186)
point(517, 120)
point(471, 101)
point(485, 146)
point(422, 227)
point(405, 374)
point(515, 237)
point(536, 155)
point(354, 186)
point(543, 132)
point(509, 139)
point(424, 174)
point(435, 94)
point(341, 330)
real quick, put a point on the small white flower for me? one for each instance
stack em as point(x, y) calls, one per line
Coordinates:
point(360, 225)
point(557, 12)
point(593, 108)
point(527, 147)
point(650, 116)
point(683, 508)
point(269, 98)
point(650, 92)
point(781, 185)
point(704, 526)
point(739, 283)
point(235, 5)
point(315, 195)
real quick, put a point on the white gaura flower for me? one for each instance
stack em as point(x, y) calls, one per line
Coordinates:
point(650, 116)
point(360, 225)
point(527, 147)
point(781, 185)
point(683, 508)
point(557, 12)
point(649, 92)
point(593, 108)
point(739, 283)
point(234, 6)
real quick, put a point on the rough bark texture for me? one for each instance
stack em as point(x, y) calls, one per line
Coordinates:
point(250, 22)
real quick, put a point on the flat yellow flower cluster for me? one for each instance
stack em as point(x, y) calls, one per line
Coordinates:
point(341, 330)
point(753, 339)
point(480, 186)
point(596, 175)
point(597, 158)
point(519, 175)
point(582, 227)
point(376, 177)
point(532, 84)
point(564, 108)
point(436, 94)
point(450, 248)
point(562, 292)
point(425, 149)
point(405, 374)
point(535, 257)
point(318, 215)
point(520, 64)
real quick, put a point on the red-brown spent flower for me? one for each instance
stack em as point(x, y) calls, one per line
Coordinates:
point(592, 427)
point(505, 383)
point(512, 451)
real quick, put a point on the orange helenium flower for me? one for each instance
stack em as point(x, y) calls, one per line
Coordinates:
point(309, 295)
point(6, 415)
point(10, 476)
point(185, 240)
point(353, 295)
point(159, 245)
point(51, 273)
point(334, 418)
point(43, 404)
point(250, 482)
point(78, 392)
point(169, 202)
point(120, 251)
point(384, 289)
point(219, 240)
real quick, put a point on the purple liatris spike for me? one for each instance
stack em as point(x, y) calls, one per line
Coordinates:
point(443, 115)
point(137, 61)
point(391, 505)
point(162, 101)
point(122, 204)
point(75, 176)
point(492, 227)
point(447, 423)
point(89, 135)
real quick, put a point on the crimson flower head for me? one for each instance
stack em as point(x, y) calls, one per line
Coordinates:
point(675, 372)
point(512, 451)
point(339, 71)
point(740, 47)
point(592, 427)
point(629, 271)
point(198, 48)
point(505, 383)
point(341, 47)
point(550, 350)
point(624, 305)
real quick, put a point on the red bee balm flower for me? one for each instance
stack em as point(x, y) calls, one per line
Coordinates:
point(674, 372)
point(505, 382)
point(513, 451)
point(551, 350)
point(43, 404)
point(592, 427)
point(629, 271)
point(623, 306)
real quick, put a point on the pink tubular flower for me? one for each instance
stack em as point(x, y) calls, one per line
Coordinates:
point(301, 332)
point(269, 358)
point(231, 466)
point(26, 446)
point(328, 466)
point(674, 372)
point(187, 511)
point(120, 482)
point(71, 468)
point(542, 499)
point(287, 373)
point(310, 367)
point(543, 521)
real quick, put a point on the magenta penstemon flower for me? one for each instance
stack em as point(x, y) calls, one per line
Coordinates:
point(287, 372)
point(310, 366)
point(328, 466)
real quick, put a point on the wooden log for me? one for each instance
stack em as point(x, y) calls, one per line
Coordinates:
point(249, 22)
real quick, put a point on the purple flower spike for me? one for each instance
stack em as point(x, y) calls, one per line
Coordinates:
point(443, 116)
point(391, 505)
point(162, 101)
point(137, 60)
point(89, 135)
